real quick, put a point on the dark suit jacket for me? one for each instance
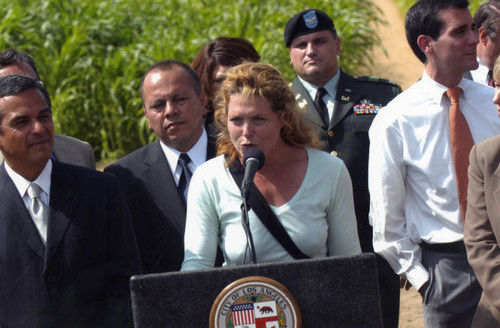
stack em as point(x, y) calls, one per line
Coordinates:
point(71, 151)
point(80, 279)
point(482, 228)
point(346, 136)
point(158, 213)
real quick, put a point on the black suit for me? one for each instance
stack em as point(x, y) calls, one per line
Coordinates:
point(346, 136)
point(80, 279)
point(158, 214)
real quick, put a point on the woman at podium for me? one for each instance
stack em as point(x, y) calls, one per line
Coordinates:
point(300, 203)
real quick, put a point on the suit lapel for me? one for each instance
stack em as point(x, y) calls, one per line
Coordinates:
point(14, 213)
point(345, 99)
point(497, 191)
point(306, 105)
point(162, 185)
point(63, 197)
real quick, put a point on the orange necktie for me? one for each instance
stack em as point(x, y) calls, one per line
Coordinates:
point(461, 145)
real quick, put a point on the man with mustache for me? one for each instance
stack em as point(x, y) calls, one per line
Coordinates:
point(153, 178)
point(67, 246)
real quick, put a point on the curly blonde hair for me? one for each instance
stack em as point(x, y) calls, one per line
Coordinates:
point(265, 81)
point(496, 69)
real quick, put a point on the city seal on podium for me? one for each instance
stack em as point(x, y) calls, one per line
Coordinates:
point(255, 302)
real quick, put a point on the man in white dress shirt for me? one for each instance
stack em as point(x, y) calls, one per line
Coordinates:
point(415, 209)
point(487, 19)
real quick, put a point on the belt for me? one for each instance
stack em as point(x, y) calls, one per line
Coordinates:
point(457, 247)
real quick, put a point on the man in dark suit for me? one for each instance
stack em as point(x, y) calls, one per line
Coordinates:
point(66, 149)
point(68, 252)
point(341, 107)
point(174, 107)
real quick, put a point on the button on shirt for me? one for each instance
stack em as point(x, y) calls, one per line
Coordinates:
point(412, 181)
point(331, 89)
point(22, 184)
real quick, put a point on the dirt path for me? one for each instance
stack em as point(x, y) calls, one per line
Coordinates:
point(401, 66)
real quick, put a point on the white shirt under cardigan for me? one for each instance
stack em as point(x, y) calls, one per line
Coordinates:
point(319, 218)
point(413, 191)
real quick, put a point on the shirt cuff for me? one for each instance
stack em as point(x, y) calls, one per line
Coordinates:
point(417, 276)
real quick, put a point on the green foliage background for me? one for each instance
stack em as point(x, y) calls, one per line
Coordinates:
point(91, 54)
point(404, 5)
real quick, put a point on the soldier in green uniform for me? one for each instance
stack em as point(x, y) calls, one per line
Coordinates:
point(342, 108)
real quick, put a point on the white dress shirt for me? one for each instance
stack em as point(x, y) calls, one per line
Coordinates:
point(480, 74)
point(412, 181)
point(197, 154)
point(22, 184)
point(331, 91)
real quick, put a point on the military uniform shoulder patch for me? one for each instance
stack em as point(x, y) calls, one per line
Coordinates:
point(366, 107)
point(375, 80)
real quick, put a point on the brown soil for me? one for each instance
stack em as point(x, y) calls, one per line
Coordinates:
point(400, 65)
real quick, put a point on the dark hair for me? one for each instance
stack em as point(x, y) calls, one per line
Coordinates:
point(488, 16)
point(167, 65)
point(222, 51)
point(14, 84)
point(12, 56)
point(423, 19)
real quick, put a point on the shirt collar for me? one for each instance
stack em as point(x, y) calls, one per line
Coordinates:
point(437, 90)
point(330, 86)
point(481, 72)
point(197, 153)
point(22, 184)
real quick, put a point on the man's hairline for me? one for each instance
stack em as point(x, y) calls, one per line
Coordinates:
point(168, 69)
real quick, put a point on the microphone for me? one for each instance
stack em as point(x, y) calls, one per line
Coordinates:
point(253, 160)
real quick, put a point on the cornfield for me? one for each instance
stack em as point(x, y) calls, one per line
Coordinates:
point(91, 55)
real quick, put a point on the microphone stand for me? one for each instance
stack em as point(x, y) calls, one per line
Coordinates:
point(246, 226)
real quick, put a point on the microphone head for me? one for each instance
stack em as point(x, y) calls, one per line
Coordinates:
point(256, 154)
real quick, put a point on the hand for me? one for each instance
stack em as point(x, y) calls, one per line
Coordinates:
point(404, 283)
point(423, 289)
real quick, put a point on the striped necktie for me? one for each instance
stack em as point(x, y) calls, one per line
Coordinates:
point(185, 177)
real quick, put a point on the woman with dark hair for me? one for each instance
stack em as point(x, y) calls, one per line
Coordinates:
point(308, 191)
point(214, 59)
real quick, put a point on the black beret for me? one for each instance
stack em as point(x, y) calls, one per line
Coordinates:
point(305, 22)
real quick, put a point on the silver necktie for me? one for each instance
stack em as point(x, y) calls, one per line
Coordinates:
point(38, 210)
